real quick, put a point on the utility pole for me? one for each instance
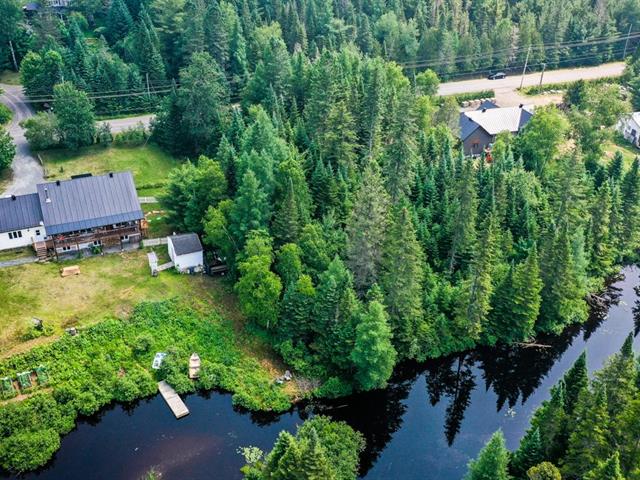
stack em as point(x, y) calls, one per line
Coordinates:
point(148, 89)
point(544, 65)
point(526, 62)
point(624, 54)
point(13, 56)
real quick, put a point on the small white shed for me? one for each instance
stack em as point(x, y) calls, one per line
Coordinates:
point(186, 252)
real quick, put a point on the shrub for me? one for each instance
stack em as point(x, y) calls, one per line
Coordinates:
point(28, 450)
point(142, 343)
point(125, 390)
point(133, 136)
point(41, 131)
point(334, 387)
point(5, 114)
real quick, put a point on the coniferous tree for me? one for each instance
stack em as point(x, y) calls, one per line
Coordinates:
point(401, 281)
point(250, 210)
point(373, 354)
point(630, 192)
point(609, 470)
point(463, 222)
point(366, 229)
point(119, 21)
point(492, 461)
point(576, 381)
point(528, 454)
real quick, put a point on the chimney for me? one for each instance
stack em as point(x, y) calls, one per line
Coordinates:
point(57, 183)
point(110, 174)
point(46, 194)
point(520, 106)
point(13, 197)
point(484, 110)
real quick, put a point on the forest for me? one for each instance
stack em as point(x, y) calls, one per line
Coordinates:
point(587, 430)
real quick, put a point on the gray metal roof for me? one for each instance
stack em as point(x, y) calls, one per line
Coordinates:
point(467, 126)
point(185, 243)
point(496, 120)
point(89, 202)
point(19, 212)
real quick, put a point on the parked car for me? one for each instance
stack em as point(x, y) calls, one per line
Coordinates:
point(497, 76)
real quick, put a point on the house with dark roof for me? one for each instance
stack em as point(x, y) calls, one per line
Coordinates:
point(478, 128)
point(186, 252)
point(69, 215)
point(21, 222)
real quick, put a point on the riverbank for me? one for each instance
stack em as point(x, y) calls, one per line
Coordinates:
point(111, 361)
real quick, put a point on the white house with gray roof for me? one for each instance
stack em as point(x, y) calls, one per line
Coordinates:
point(21, 222)
point(69, 215)
point(629, 128)
point(186, 252)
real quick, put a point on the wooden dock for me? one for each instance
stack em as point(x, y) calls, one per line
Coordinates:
point(174, 401)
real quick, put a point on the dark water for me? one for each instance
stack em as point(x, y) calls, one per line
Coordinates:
point(427, 425)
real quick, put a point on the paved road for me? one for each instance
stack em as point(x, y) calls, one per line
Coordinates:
point(26, 171)
point(506, 94)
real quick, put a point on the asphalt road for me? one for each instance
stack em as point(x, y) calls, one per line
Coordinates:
point(26, 171)
point(512, 82)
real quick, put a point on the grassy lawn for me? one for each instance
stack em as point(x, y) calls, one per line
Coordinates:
point(10, 77)
point(629, 152)
point(107, 286)
point(156, 218)
point(149, 164)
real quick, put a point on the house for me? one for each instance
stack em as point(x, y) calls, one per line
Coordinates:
point(20, 221)
point(629, 128)
point(478, 128)
point(70, 215)
point(186, 252)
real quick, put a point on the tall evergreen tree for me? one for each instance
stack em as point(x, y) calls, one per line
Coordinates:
point(492, 461)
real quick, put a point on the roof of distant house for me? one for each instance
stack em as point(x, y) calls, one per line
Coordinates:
point(487, 104)
point(494, 120)
point(20, 212)
point(87, 202)
point(185, 243)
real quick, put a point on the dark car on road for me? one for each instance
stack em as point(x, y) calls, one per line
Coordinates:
point(497, 76)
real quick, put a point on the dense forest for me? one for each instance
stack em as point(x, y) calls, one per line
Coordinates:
point(588, 429)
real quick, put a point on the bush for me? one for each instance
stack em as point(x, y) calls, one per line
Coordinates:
point(28, 450)
point(464, 97)
point(125, 390)
point(142, 343)
point(86, 403)
point(7, 149)
point(334, 387)
point(41, 131)
point(5, 114)
point(133, 136)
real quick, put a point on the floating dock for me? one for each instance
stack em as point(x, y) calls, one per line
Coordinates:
point(174, 401)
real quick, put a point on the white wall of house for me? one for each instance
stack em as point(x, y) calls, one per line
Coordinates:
point(21, 238)
point(629, 129)
point(183, 263)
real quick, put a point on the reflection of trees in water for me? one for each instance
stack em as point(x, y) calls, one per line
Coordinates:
point(454, 379)
point(376, 414)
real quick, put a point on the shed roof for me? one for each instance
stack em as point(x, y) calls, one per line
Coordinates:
point(19, 212)
point(89, 202)
point(185, 243)
point(494, 120)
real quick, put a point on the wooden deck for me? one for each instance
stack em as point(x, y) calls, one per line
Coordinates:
point(174, 401)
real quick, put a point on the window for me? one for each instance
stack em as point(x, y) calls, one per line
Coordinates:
point(124, 237)
point(14, 235)
point(37, 233)
point(475, 145)
point(97, 243)
point(66, 249)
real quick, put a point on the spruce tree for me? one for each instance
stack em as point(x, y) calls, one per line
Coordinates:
point(401, 281)
point(602, 250)
point(528, 454)
point(297, 304)
point(492, 461)
point(630, 193)
point(609, 470)
point(367, 228)
point(250, 210)
point(463, 222)
point(373, 354)
point(576, 381)
point(550, 419)
point(286, 223)
point(119, 21)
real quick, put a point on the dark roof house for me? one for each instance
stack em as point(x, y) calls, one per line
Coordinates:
point(186, 243)
point(20, 212)
point(89, 202)
point(478, 128)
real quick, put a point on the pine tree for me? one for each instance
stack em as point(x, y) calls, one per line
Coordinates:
point(215, 34)
point(602, 250)
point(516, 303)
point(463, 222)
point(492, 461)
point(609, 470)
point(297, 304)
point(576, 381)
point(250, 210)
point(550, 419)
point(373, 354)
point(588, 442)
point(313, 459)
point(401, 281)
point(119, 21)
point(630, 193)
point(287, 224)
point(528, 454)
point(366, 229)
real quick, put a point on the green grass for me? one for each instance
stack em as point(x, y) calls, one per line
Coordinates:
point(149, 164)
point(10, 77)
point(157, 220)
point(107, 286)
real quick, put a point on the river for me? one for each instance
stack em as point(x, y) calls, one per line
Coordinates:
point(426, 425)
